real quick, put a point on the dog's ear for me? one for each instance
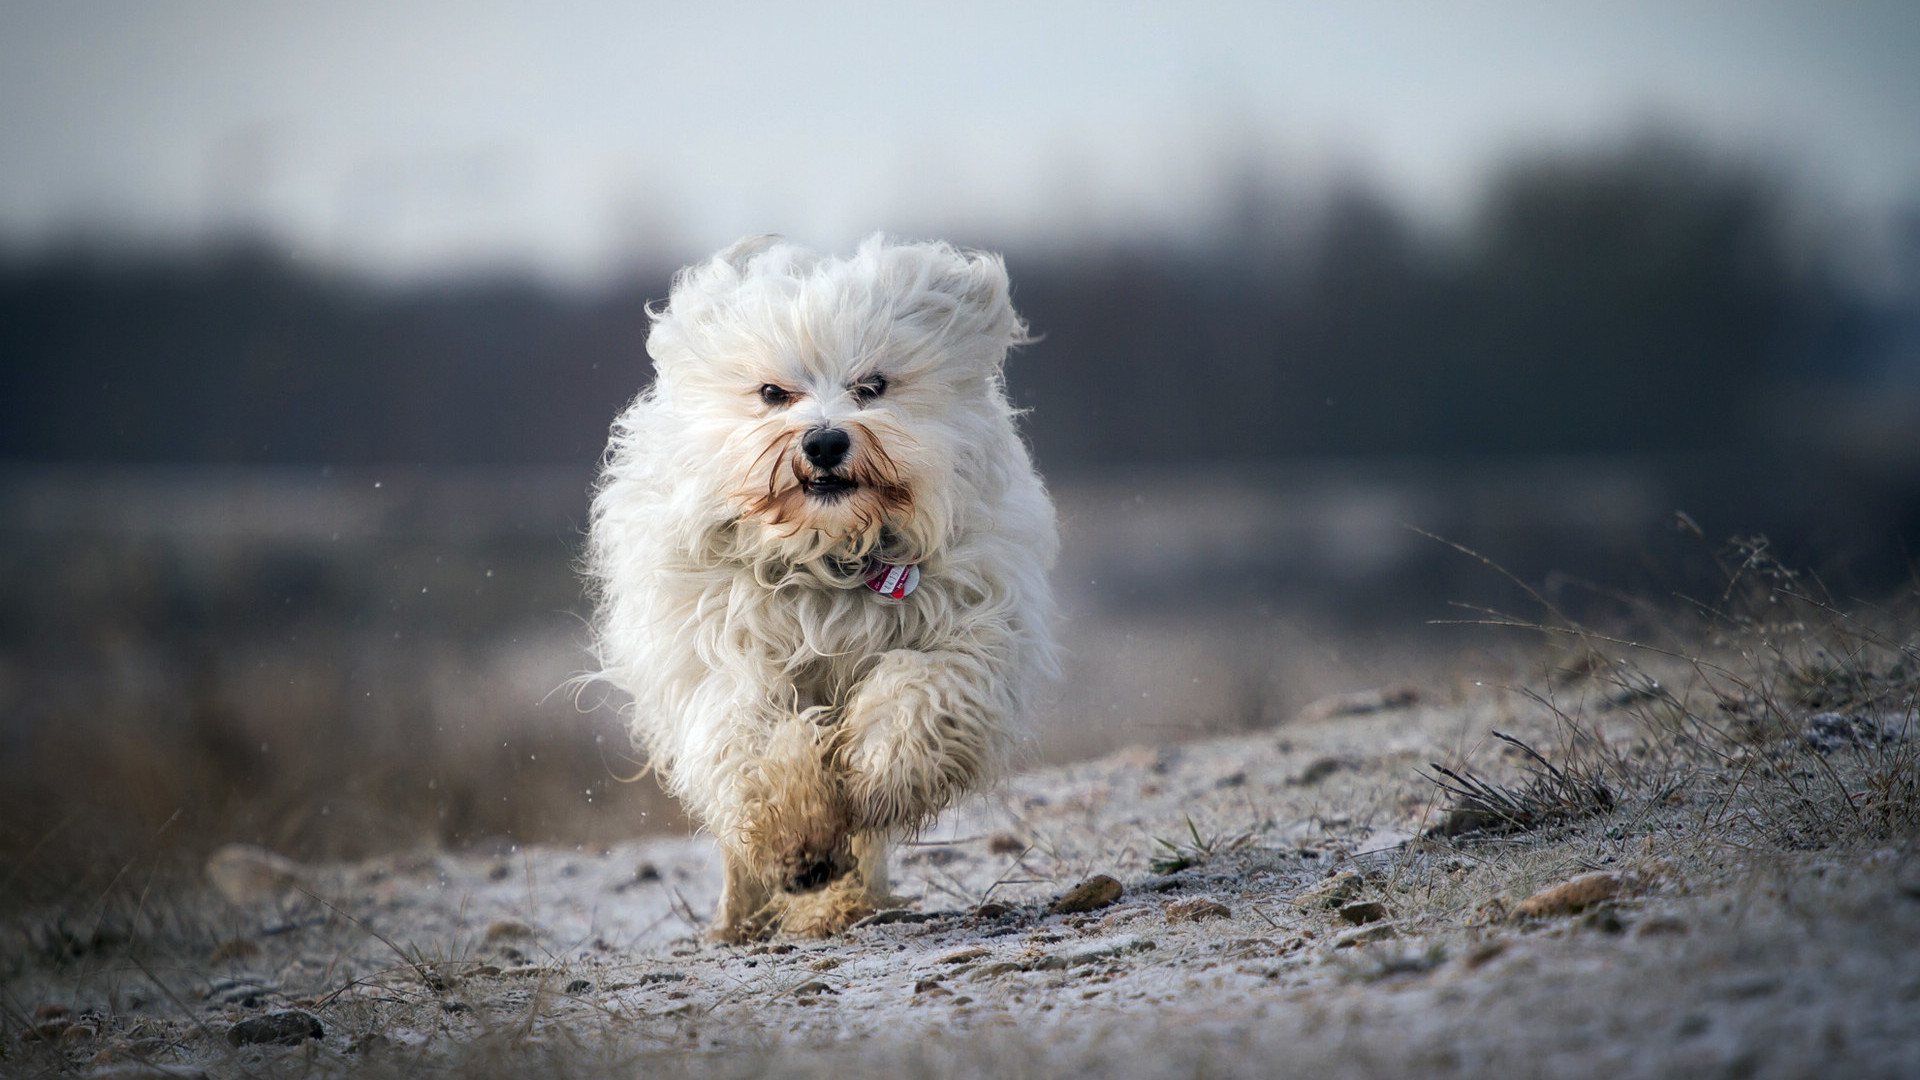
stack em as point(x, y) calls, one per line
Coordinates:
point(741, 252)
point(964, 294)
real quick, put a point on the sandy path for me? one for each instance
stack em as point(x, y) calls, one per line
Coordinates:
point(578, 962)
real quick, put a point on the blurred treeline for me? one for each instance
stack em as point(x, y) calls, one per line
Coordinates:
point(1646, 298)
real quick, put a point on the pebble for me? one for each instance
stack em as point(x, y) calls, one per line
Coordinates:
point(507, 929)
point(289, 1028)
point(1096, 892)
point(963, 956)
point(1366, 934)
point(1197, 909)
point(995, 970)
point(1365, 912)
point(1572, 896)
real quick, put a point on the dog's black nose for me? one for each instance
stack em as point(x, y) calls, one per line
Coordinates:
point(825, 446)
point(810, 877)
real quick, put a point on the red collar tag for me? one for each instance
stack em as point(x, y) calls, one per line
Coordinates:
point(894, 581)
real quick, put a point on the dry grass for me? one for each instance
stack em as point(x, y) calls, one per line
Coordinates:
point(1788, 718)
point(1717, 750)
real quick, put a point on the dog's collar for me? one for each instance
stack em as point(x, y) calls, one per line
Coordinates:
point(892, 580)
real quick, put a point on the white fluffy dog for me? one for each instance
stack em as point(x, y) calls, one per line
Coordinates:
point(821, 551)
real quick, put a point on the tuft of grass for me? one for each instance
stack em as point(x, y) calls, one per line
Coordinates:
point(1550, 796)
point(1177, 855)
point(1788, 717)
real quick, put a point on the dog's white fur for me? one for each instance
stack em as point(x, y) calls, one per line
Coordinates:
point(803, 718)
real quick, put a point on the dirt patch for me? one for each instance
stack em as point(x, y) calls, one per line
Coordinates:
point(1250, 925)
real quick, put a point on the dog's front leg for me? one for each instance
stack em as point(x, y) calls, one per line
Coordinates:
point(923, 729)
point(745, 902)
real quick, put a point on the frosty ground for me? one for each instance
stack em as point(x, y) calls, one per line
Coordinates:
point(1295, 901)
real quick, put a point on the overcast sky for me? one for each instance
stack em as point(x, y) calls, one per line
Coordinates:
point(413, 138)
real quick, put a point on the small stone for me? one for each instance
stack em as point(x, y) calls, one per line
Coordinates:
point(1197, 909)
point(925, 985)
point(499, 872)
point(1096, 892)
point(1006, 844)
point(963, 956)
point(1365, 935)
point(995, 970)
point(1572, 896)
point(1365, 912)
point(289, 1028)
point(815, 987)
point(579, 986)
point(1317, 770)
point(990, 910)
point(1339, 890)
point(508, 929)
point(246, 873)
point(826, 963)
point(645, 872)
point(1050, 963)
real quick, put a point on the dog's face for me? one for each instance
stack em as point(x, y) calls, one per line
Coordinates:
point(835, 404)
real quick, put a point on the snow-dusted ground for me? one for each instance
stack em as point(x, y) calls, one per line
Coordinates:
point(1715, 961)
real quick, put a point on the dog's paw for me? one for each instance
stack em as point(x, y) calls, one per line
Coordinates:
point(825, 913)
point(737, 933)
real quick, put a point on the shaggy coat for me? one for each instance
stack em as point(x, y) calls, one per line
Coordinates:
point(801, 716)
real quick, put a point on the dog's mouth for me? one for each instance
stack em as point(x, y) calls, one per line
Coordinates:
point(829, 488)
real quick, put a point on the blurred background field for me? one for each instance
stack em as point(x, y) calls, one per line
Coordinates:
point(311, 326)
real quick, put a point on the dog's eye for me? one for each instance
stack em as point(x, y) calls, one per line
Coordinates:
point(776, 395)
point(869, 388)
